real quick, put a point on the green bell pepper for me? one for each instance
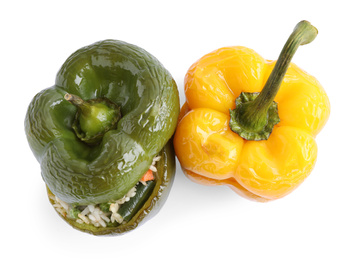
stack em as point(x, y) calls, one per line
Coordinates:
point(113, 108)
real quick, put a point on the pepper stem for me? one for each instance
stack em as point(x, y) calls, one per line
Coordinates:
point(75, 100)
point(83, 106)
point(256, 114)
point(94, 117)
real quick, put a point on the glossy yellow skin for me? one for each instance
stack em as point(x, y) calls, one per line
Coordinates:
point(211, 153)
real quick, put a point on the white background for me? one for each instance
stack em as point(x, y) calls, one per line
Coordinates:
point(320, 220)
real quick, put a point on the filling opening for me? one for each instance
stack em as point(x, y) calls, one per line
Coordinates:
point(112, 213)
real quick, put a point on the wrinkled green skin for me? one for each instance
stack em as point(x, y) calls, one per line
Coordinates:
point(149, 103)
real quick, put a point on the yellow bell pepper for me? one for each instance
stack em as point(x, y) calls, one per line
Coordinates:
point(251, 123)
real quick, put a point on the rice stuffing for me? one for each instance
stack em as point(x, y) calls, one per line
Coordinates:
point(98, 215)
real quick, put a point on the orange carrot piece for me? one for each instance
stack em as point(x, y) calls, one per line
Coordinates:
point(148, 176)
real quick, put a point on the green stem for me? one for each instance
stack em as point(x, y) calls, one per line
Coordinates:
point(255, 117)
point(78, 102)
point(94, 117)
point(75, 100)
point(303, 33)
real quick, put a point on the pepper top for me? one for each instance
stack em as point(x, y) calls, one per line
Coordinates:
point(94, 118)
point(256, 114)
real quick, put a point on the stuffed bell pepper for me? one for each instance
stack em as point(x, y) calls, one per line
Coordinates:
point(102, 135)
point(251, 123)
